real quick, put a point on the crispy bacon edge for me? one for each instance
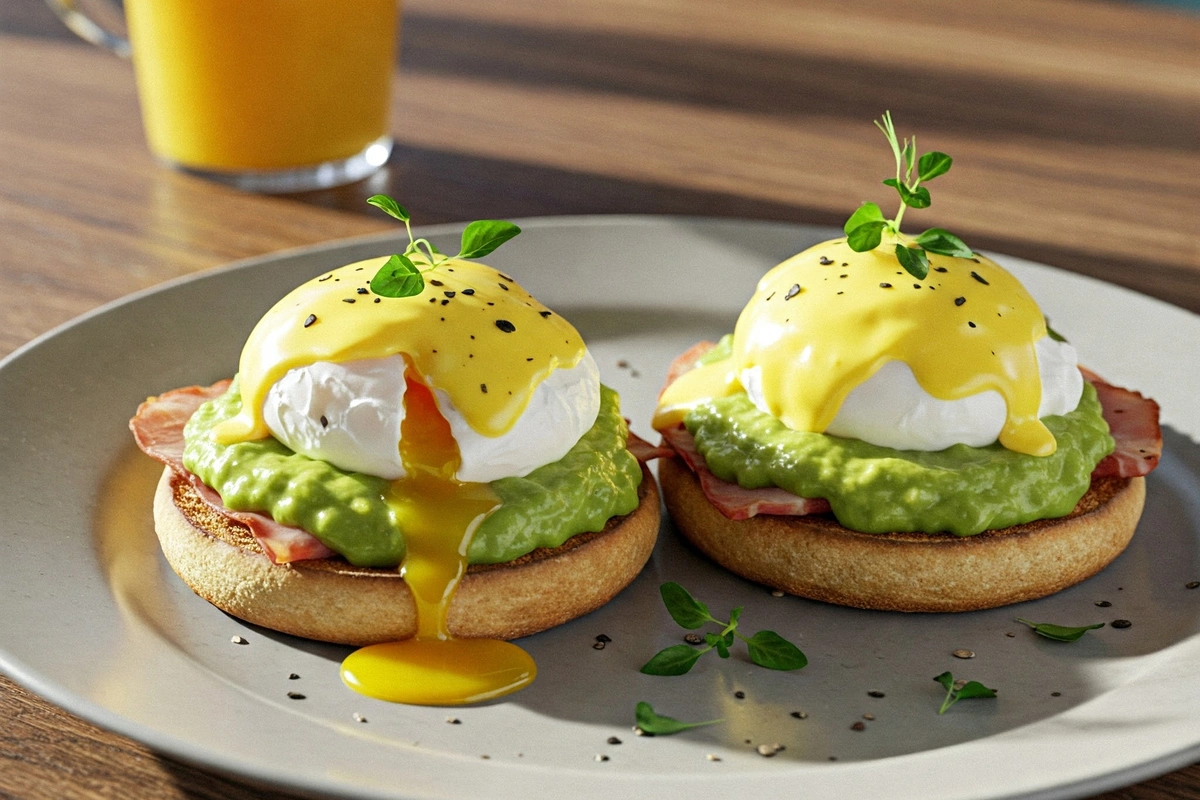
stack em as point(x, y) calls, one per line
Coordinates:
point(158, 429)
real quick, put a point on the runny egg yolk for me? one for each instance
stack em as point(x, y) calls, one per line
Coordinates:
point(438, 515)
point(825, 320)
point(474, 334)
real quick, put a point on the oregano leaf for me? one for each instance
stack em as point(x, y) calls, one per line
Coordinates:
point(398, 277)
point(769, 649)
point(914, 261)
point(483, 236)
point(932, 165)
point(389, 206)
point(866, 237)
point(867, 212)
point(1060, 633)
point(675, 660)
point(655, 724)
point(687, 611)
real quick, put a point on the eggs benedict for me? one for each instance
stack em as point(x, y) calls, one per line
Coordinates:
point(892, 424)
point(415, 455)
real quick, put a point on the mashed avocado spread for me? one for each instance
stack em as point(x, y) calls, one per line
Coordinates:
point(963, 490)
point(595, 480)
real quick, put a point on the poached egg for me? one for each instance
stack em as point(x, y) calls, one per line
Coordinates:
point(441, 392)
point(848, 343)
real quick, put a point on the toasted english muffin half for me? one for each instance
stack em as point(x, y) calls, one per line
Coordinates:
point(815, 557)
point(334, 601)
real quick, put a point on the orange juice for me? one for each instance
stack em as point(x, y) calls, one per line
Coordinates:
point(228, 85)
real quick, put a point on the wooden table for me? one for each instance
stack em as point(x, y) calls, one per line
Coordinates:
point(1075, 126)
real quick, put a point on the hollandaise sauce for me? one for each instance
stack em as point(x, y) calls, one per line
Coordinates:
point(438, 515)
point(825, 320)
point(475, 335)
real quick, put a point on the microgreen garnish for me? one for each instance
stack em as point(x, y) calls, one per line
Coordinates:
point(653, 724)
point(767, 648)
point(866, 226)
point(402, 276)
point(960, 690)
point(1060, 633)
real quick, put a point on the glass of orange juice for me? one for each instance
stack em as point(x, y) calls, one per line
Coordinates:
point(265, 95)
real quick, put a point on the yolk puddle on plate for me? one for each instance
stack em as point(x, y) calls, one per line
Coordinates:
point(438, 515)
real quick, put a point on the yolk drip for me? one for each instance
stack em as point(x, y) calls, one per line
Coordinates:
point(439, 515)
point(825, 320)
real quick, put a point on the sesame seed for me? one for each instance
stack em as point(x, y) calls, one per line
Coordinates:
point(295, 696)
point(347, 299)
point(362, 290)
point(963, 653)
point(505, 325)
point(979, 278)
point(359, 717)
point(310, 320)
point(238, 640)
point(792, 292)
point(958, 301)
point(613, 740)
point(885, 286)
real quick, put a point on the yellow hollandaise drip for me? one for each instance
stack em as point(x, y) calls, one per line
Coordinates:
point(472, 332)
point(825, 320)
point(438, 515)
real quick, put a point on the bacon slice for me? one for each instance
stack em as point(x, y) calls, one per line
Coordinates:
point(644, 451)
point(158, 429)
point(732, 500)
point(1133, 422)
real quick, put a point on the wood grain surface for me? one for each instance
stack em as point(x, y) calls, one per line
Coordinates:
point(1075, 126)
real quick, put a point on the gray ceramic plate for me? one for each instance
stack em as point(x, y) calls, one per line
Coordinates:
point(94, 620)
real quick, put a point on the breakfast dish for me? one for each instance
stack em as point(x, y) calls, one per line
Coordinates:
point(894, 425)
point(131, 647)
point(415, 455)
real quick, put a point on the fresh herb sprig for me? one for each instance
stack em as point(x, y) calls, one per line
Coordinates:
point(652, 723)
point(960, 690)
point(400, 276)
point(866, 226)
point(767, 648)
point(1060, 633)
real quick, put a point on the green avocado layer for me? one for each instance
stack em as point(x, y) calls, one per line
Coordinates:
point(595, 480)
point(963, 490)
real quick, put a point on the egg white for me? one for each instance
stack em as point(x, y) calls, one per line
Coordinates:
point(890, 409)
point(349, 415)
